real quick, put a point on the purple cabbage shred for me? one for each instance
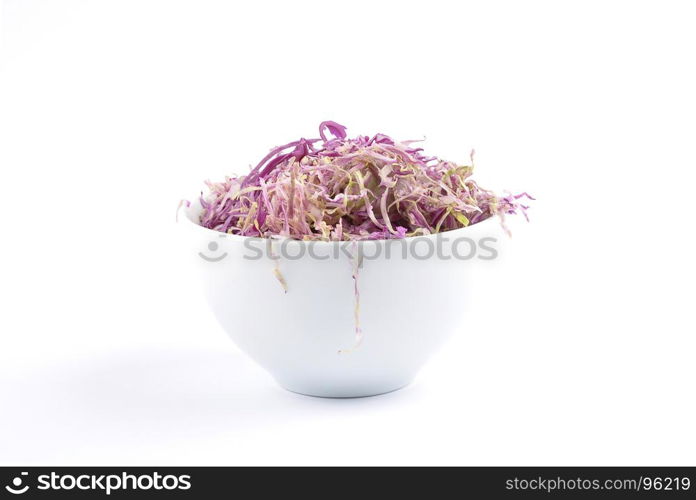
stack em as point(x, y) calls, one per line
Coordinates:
point(335, 188)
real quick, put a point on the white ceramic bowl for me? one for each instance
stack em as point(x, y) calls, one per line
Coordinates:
point(306, 337)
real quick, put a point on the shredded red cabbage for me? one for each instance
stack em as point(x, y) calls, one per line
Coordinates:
point(335, 188)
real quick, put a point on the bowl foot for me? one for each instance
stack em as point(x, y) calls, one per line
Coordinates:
point(342, 392)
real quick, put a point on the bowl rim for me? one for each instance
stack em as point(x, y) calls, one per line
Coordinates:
point(188, 207)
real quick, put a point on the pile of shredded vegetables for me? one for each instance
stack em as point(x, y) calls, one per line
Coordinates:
point(335, 188)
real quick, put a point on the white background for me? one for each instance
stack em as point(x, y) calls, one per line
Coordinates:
point(582, 352)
